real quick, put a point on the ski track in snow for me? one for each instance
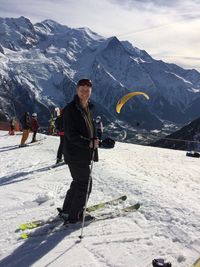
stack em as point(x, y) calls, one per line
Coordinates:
point(167, 225)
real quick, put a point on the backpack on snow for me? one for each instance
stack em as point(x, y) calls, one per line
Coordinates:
point(108, 143)
point(193, 154)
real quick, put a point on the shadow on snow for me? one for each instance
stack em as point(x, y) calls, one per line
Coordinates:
point(34, 248)
point(9, 179)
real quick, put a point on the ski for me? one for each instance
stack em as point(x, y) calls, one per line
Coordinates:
point(35, 143)
point(57, 165)
point(120, 213)
point(196, 263)
point(102, 205)
point(58, 227)
point(38, 223)
point(30, 144)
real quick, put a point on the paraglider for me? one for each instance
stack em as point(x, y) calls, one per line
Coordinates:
point(125, 98)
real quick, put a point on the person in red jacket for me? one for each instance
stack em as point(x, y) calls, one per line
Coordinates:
point(60, 131)
point(12, 127)
point(34, 126)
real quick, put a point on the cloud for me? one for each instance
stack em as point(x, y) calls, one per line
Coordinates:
point(181, 60)
point(152, 4)
point(161, 27)
point(35, 10)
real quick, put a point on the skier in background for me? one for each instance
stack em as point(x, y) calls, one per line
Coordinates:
point(52, 127)
point(12, 127)
point(34, 126)
point(60, 131)
point(26, 126)
point(99, 127)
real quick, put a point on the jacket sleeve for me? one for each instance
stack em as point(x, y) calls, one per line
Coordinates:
point(72, 133)
point(57, 124)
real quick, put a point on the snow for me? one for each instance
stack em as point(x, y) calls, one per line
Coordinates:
point(186, 81)
point(92, 34)
point(164, 181)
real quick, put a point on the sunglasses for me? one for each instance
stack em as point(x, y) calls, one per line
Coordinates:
point(84, 82)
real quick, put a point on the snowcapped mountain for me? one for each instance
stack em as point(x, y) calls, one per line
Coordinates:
point(40, 64)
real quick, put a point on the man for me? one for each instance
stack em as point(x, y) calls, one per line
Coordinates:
point(60, 132)
point(80, 148)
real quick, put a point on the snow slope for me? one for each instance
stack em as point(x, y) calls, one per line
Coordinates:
point(165, 182)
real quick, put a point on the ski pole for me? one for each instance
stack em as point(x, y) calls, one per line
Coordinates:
point(87, 195)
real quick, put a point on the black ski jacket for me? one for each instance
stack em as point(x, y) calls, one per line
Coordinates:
point(26, 121)
point(76, 134)
point(59, 124)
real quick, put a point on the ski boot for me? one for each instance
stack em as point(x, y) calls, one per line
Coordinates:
point(59, 161)
point(63, 215)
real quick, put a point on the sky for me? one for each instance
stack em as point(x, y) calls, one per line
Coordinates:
point(166, 29)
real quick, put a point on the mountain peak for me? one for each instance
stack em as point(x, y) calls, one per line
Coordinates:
point(16, 23)
point(93, 35)
point(17, 33)
point(52, 25)
point(136, 52)
point(114, 43)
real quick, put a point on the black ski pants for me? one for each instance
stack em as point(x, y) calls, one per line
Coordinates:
point(34, 137)
point(76, 195)
point(60, 148)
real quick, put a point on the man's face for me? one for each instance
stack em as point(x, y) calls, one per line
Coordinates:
point(84, 92)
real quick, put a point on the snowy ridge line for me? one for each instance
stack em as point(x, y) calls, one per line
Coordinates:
point(181, 140)
point(166, 138)
point(155, 138)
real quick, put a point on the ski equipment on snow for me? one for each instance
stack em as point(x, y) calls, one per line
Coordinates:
point(38, 223)
point(197, 263)
point(53, 228)
point(104, 204)
point(58, 164)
